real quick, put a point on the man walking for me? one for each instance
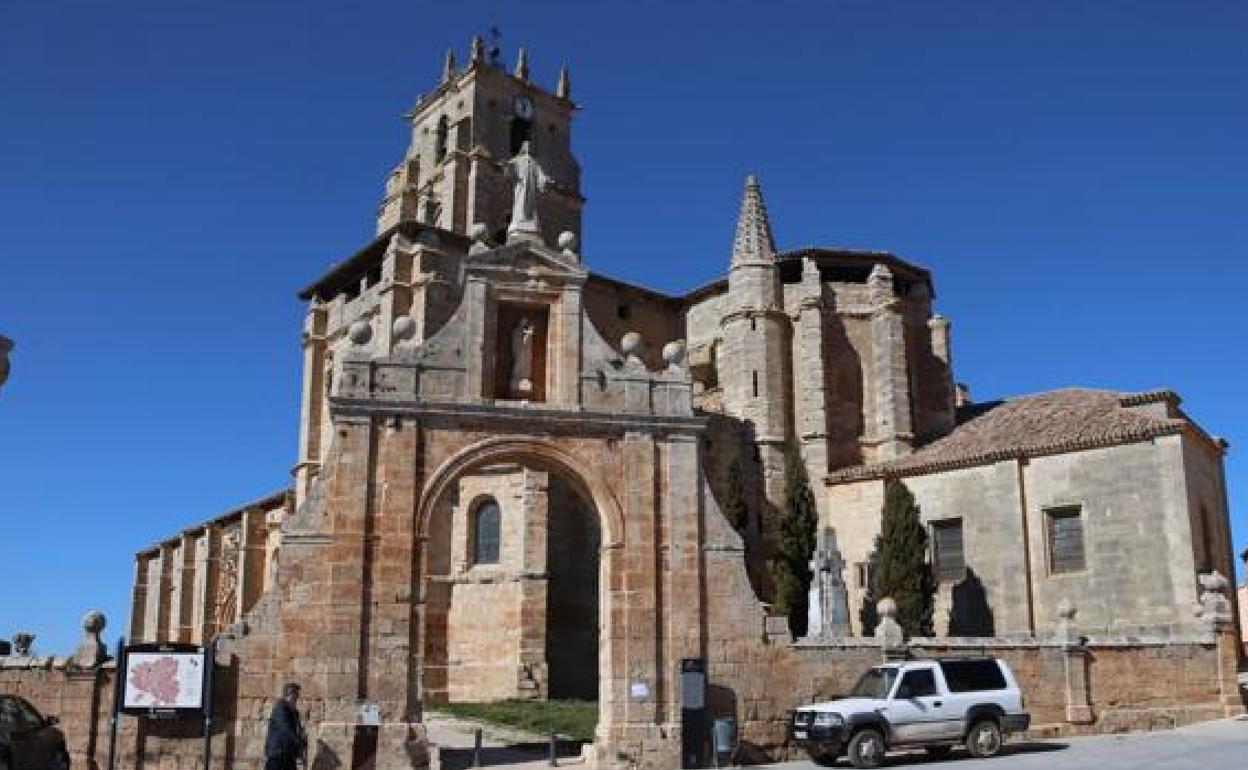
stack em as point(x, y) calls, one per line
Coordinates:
point(285, 741)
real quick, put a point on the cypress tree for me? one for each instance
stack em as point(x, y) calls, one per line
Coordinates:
point(899, 565)
point(791, 563)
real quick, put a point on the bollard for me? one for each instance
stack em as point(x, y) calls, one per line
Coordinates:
point(476, 747)
point(554, 748)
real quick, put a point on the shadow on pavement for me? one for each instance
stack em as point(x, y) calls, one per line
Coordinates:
point(517, 753)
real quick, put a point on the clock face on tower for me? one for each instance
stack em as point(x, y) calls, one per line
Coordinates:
point(524, 107)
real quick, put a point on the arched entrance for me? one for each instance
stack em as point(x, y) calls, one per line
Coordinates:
point(517, 544)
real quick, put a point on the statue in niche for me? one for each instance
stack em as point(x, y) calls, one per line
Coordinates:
point(529, 179)
point(522, 358)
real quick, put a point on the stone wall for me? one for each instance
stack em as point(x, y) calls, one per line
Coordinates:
point(1135, 502)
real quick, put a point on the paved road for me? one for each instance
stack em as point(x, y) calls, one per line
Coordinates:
point(1206, 746)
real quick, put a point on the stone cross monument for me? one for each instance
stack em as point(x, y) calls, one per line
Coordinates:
point(828, 613)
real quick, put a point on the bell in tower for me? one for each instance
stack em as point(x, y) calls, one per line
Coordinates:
point(466, 136)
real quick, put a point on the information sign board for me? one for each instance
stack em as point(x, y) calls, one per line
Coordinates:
point(163, 679)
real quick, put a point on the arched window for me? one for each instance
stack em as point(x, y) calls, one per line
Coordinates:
point(439, 149)
point(485, 532)
point(521, 132)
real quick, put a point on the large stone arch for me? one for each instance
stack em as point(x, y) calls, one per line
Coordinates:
point(518, 449)
point(593, 488)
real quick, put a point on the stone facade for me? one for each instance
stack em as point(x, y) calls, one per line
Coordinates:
point(453, 535)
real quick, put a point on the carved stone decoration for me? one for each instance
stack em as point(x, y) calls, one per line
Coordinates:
point(91, 651)
point(225, 600)
point(1214, 608)
point(1066, 632)
point(888, 631)
point(360, 332)
point(522, 358)
point(828, 609)
point(529, 179)
point(674, 353)
point(23, 642)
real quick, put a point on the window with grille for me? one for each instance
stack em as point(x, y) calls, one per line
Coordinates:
point(948, 558)
point(1065, 539)
point(485, 533)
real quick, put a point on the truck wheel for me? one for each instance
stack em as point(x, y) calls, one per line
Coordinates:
point(984, 738)
point(866, 748)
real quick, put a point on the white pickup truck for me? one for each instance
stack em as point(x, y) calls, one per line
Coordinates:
point(934, 704)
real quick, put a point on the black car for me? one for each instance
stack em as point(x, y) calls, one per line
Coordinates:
point(28, 740)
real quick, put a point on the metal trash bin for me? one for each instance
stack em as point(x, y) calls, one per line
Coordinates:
point(724, 737)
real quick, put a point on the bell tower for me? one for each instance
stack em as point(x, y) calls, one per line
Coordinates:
point(454, 173)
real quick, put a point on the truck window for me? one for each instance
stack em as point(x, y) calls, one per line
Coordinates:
point(917, 684)
point(972, 675)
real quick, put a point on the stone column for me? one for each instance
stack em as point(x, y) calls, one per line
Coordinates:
point(478, 335)
point(642, 597)
point(251, 559)
point(682, 575)
point(889, 427)
point(182, 601)
point(531, 677)
point(1214, 613)
point(1075, 660)
point(808, 366)
point(311, 412)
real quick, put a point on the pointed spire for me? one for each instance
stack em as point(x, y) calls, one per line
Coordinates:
point(564, 89)
point(753, 242)
point(478, 49)
point(448, 69)
point(522, 65)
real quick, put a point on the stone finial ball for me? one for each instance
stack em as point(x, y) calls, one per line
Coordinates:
point(360, 332)
point(1066, 609)
point(567, 240)
point(886, 608)
point(93, 622)
point(478, 231)
point(674, 352)
point(630, 343)
point(404, 327)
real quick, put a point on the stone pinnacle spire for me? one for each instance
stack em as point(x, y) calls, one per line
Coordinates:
point(448, 68)
point(753, 242)
point(478, 48)
point(522, 65)
point(564, 89)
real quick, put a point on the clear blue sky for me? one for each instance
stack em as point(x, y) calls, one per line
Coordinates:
point(172, 172)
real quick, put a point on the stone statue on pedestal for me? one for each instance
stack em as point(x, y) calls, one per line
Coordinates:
point(522, 359)
point(529, 179)
point(828, 607)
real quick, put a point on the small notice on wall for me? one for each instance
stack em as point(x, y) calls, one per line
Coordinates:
point(368, 714)
point(639, 690)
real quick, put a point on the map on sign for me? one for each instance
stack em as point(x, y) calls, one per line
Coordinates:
point(164, 680)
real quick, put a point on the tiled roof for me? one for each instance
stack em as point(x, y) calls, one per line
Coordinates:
point(1058, 421)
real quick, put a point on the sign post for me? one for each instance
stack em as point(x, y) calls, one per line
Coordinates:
point(119, 687)
point(209, 667)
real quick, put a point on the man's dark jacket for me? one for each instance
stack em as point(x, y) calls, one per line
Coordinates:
point(285, 740)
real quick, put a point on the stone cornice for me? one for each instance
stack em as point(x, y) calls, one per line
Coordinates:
point(881, 471)
point(541, 419)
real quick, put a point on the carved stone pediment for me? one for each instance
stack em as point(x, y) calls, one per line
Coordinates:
point(525, 262)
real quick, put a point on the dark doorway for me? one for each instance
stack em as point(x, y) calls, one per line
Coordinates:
point(572, 544)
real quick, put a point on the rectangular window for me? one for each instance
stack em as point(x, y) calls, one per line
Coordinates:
point(1065, 539)
point(755, 384)
point(948, 557)
point(972, 675)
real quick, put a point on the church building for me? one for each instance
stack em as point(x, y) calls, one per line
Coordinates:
point(521, 478)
